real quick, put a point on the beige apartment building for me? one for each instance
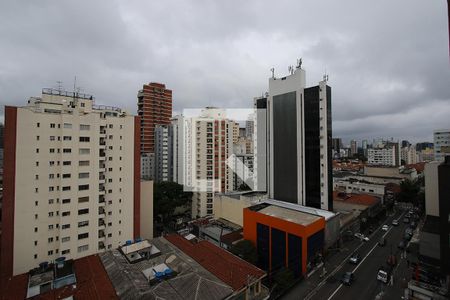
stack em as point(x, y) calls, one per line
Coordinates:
point(72, 180)
point(202, 145)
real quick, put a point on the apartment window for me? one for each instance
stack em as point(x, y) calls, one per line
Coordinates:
point(36, 190)
point(83, 211)
point(83, 163)
point(51, 163)
point(50, 201)
point(50, 252)
point(36, 177)
point(67, 251)
point(83, 223)
point(66, 213)
point(85, 139)
point(109, 235)
point(110, 137)
point(83, 248)
point(35, 229)
point(67, 150)
point(83, 187)
point(83, 175)
point(66, 188)
point(83, 199)
point(50, 227)
point(84, 151)
point(65, 201)
point(110, 126)
point(67, 138)
point(85, 127)
point(110, 180)
point(52, 150)
point(52, 125)
point(35, 216)
point(121, 126)
point(110, 158)
point(50, 240)
point(110, 169)
point(36, 203)
point(38, 124)
point(37, 138)
point(82, 104)
point(110, 224)
point(66, 175)
point(67, 163)
point(37, 164)
point(35, 243)
point(83, 236)
point(109, 191)
point(37, 150)
point(65, 226)
point(50, 214)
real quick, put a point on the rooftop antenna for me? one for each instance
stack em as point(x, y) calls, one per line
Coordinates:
point(291, 70)
point(273, 72)
point(59, 87)
point(74, 83)
point(299, 63)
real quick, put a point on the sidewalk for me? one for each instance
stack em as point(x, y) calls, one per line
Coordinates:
point(305, 289)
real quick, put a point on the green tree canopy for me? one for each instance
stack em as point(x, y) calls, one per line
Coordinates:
point(167, 196)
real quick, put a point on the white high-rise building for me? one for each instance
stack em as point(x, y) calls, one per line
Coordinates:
point(387, 154)
point(441, 144)
point(71, 180)
point(260, 144)
point(300, 141)
point(202, 145)
point(409, 155)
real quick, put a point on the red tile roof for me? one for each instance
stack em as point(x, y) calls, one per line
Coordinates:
point(92, 283)
point(227, 267)
point(418, 166)
point(361, 199)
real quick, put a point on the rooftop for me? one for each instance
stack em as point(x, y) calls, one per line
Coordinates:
point(359, 199)
point(309, 210)
point(92, 283)
point(290, 215)
point(188, 279)
point(229, 268)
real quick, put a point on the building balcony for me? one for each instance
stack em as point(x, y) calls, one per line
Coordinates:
point(101, 212)
point(101, 235)
point(101, 246)
point(101, 224)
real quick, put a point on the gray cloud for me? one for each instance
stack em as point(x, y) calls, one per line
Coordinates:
point(387, 60)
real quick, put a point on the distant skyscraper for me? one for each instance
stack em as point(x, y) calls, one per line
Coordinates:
point(441, 144)
point(354, 147)
point(154, 107)
point(337, 144)
point(300, 141)
point(249, 126)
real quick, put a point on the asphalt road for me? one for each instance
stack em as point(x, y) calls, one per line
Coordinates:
point(365, 286)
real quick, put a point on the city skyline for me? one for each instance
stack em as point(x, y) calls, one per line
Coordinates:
point(220, 55)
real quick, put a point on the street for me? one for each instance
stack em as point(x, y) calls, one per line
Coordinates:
point(365, 285)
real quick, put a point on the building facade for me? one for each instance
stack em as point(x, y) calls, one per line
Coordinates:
point(203, 146)
point(441, 144)
point(409, 155)
point(74, 189)
point(154, 107)
point(260, 144)
point(163, 153)
point(384, 155)
point(300, 141)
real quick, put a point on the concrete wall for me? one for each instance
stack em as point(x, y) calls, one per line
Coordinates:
point(431, 189)
point(146, 209)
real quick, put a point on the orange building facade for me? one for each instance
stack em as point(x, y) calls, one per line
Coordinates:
point(284, 238)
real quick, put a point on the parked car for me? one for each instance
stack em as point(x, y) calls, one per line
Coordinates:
point(382, 242)
point(347, 278)
point(385, 228)
point(383, 275)
point(395, 222)
point(406, 220)
point(391, 260)
point(355, 258)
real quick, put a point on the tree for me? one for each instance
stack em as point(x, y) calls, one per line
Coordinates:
point(245, 250)
point(167, 196)
point(409, 191)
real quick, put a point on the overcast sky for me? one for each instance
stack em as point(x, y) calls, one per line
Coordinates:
point(387, 60)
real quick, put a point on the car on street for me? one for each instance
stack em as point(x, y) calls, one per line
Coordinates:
point(362, 237)
point(395, 223)
point(413, 225)
point(355, 258)
point(382, 275)
point(406, 220)
point(385, 228)
point(347, 278)
point(382, 242)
